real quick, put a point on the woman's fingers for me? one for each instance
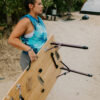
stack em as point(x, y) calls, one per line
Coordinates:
point(32, 56)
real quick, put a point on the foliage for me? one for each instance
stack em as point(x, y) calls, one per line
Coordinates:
point(78, 4)
point(47, 4)
point(11, 8)
point(15, 8)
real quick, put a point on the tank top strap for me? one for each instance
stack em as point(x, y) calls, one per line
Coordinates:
point(41, 21)
point(32, 19)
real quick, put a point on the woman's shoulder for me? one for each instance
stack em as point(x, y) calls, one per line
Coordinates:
point(24, 21)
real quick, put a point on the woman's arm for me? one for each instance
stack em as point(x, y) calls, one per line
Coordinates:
point(18, 31)
point(15, 41)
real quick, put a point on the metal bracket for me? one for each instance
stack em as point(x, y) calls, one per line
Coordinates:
point(12, 98)
point(52, 56)
point(74, 71)
point(47, 49)
point(41, 80)
point(20, 95)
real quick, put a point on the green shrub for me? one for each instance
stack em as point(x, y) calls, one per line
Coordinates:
point(78, 5)
point(15, 8)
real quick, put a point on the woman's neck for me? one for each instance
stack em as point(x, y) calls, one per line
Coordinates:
point(34, 15)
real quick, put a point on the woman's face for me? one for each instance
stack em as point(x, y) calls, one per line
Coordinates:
point(38, 7)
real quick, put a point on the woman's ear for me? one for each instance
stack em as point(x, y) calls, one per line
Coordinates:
point(30, 6)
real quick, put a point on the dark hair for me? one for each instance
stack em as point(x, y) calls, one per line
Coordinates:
point(27, 2)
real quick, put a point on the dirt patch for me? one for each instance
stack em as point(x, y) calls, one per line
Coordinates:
point(9, 61)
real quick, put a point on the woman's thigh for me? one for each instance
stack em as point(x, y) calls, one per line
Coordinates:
point(24, 60)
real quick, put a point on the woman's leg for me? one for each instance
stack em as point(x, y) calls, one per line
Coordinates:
point(24, 60)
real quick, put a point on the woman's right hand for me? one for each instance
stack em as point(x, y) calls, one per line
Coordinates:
point(32, 55)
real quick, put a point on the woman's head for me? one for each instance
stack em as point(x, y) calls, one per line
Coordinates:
point(34, 6)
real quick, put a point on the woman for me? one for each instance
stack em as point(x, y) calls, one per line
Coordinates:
point(32, 32)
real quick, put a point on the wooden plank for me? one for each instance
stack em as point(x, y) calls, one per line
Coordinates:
point(38, 81)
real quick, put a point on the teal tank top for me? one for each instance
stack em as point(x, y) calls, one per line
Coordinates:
point(38, 37)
